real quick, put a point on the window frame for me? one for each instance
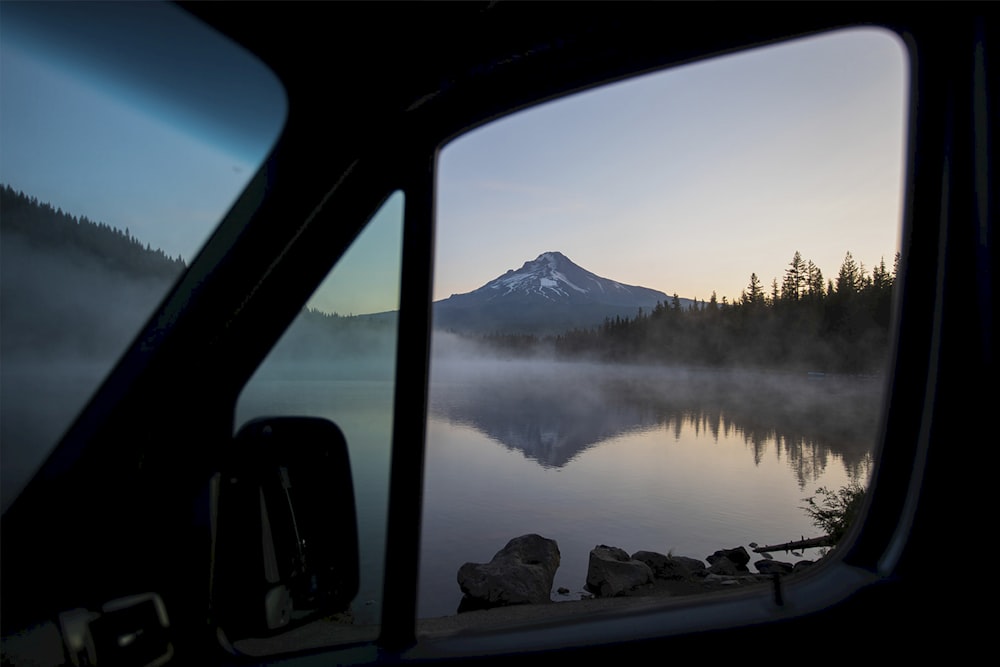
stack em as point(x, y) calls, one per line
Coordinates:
point(185, 371)
point(867, 561)
point(864, 558)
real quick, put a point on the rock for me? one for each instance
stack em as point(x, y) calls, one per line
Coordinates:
point(671, 567)
point(693, 565)
point(765, 566)
point(804, 565)
point(520, 573)
point(657, 562)
point(725, 567)
point(729, 561)
point(612, 572)
point(739, 556)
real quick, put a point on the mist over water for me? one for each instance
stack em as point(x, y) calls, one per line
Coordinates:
point(341, 369)
point(65, 319)
point(586, 402)
point(635, 456)
point(640, 456)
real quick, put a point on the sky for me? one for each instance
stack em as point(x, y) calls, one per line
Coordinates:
point(686, 180)
point(690, 179)
point(108, 110)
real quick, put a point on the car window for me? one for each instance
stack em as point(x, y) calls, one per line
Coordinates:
point(121, 152)
point(337, 361)
point(661, 330)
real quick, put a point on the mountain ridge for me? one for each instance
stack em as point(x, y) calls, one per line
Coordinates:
point(547, 295)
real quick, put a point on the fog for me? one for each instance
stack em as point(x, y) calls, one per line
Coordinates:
point(664, 457)
point(319, 346)
point(65, 319)
point(553, 409)
point(561, 419)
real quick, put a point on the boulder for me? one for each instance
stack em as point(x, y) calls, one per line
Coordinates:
point(765, 566)
point(671, 567)
point(738, 555)
point(520, 573)
point(729, 561)
point(727, 568)
point(694, 566)
point(612, 572)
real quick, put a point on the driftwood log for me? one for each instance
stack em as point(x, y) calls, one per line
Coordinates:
point(825, 541)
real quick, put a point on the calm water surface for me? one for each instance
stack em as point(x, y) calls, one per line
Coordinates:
point(587, 454)
point(638, 458)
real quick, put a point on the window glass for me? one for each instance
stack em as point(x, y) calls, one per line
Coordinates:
point(337, 361)
point(120, 152)
point(661, 325)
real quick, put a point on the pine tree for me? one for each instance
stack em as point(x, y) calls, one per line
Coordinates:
point(793, 285)
point(850, 278)
point(814, 280)
point(754, 295)
point(881, 279)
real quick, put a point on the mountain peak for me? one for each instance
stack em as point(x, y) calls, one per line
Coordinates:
point(551, 259)
point(549, 292)
point(553, 256)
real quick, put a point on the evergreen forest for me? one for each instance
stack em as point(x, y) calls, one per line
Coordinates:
point(55, 264)
point(51, 228)
point(802, 322)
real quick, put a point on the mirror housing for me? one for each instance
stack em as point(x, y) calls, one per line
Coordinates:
point(285, 540)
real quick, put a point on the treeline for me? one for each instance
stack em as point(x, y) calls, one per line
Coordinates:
point(71, 288)
point(50, 228)
point(801, 322)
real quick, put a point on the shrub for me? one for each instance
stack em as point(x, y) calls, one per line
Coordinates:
point(834, 511)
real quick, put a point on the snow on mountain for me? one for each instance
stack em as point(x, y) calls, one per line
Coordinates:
point(548, 294)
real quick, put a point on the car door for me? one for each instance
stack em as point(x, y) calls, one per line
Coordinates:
point(124, 498)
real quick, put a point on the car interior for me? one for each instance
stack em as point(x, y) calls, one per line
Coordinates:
point(121, 548)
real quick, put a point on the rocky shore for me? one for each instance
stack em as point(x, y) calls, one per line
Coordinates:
point(523, 571)
point(515, 588)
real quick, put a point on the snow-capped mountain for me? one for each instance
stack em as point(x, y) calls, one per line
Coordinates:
point(549, 294)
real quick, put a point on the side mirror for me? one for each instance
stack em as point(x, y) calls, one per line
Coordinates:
point(285, 540)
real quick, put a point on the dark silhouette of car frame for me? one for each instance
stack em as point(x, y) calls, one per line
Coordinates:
point(374, 91)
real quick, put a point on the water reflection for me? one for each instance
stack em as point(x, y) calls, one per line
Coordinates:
point(552, 412)
point(639, 458)
point(634, 457)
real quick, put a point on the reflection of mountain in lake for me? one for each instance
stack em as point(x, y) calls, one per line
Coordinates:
point(551, 412)
point(549, 425)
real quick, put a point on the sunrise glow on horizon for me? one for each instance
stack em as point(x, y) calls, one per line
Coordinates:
point(685, 181)
point(689, 180)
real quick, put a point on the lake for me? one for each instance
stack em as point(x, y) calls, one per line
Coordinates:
point(678, 461)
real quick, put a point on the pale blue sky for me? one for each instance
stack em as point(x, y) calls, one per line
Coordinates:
point(684, 181)
point(690, 179)
point(109, 110)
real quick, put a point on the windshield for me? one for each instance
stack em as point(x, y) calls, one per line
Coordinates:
point(127, 131)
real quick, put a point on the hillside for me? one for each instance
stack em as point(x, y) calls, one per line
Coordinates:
point(70, 286)
point(547, 295)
